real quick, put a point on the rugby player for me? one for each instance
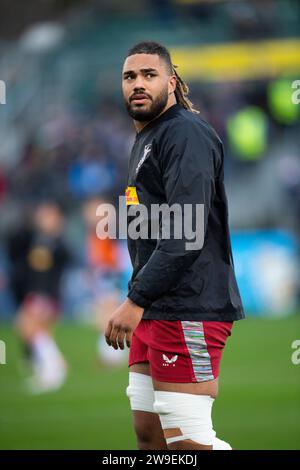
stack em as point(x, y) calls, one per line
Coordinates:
point(181, 302)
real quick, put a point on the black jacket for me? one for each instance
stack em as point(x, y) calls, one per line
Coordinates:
point(178, 158)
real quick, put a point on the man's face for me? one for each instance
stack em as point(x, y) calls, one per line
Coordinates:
point(146, 86)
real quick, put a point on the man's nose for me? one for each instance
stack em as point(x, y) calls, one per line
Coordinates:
point(139, 83)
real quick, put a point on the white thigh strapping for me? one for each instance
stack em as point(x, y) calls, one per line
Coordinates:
point(188, 412)
point(140, 392)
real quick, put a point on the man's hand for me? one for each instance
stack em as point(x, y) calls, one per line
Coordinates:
point(122, 324)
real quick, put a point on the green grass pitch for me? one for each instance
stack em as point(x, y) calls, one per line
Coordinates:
point(258, 405)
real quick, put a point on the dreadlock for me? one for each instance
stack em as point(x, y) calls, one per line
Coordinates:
point(182, 89)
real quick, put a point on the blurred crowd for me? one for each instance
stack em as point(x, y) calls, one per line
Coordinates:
point(71, 156)
point(247, 18)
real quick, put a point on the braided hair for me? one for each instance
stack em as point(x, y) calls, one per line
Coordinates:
point(182, 89)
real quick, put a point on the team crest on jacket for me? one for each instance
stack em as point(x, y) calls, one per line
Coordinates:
point(147, 150)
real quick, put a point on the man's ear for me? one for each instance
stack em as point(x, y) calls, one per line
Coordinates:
point(172, 84)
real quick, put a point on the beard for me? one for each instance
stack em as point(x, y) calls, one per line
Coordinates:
point(138, 113)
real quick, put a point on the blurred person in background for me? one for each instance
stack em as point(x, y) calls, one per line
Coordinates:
point(104, 263)
point(38, 257)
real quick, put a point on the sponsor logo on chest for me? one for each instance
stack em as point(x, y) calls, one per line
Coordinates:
point(131, 196)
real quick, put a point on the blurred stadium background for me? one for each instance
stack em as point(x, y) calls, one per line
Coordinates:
point(66, 138)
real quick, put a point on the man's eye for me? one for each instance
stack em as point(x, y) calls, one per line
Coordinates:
point(150, 75)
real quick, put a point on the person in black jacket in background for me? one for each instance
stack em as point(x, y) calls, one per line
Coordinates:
point(39, 256)
point(183, 297)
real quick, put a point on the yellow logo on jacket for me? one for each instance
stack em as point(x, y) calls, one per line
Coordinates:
point(131, 196)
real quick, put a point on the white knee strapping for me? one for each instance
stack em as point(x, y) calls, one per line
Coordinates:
point(191, 414)
point(140, 392)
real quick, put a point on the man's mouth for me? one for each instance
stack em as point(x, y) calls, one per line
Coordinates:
point(139, 98)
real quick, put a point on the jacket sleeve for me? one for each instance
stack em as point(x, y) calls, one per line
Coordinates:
point(186, 158)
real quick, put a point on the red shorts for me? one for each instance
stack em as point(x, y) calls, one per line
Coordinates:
point(180, 351)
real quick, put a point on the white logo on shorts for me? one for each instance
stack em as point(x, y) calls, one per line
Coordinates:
point(168, 361)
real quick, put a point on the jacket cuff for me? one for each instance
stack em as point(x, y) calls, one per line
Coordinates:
point(139, 299)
